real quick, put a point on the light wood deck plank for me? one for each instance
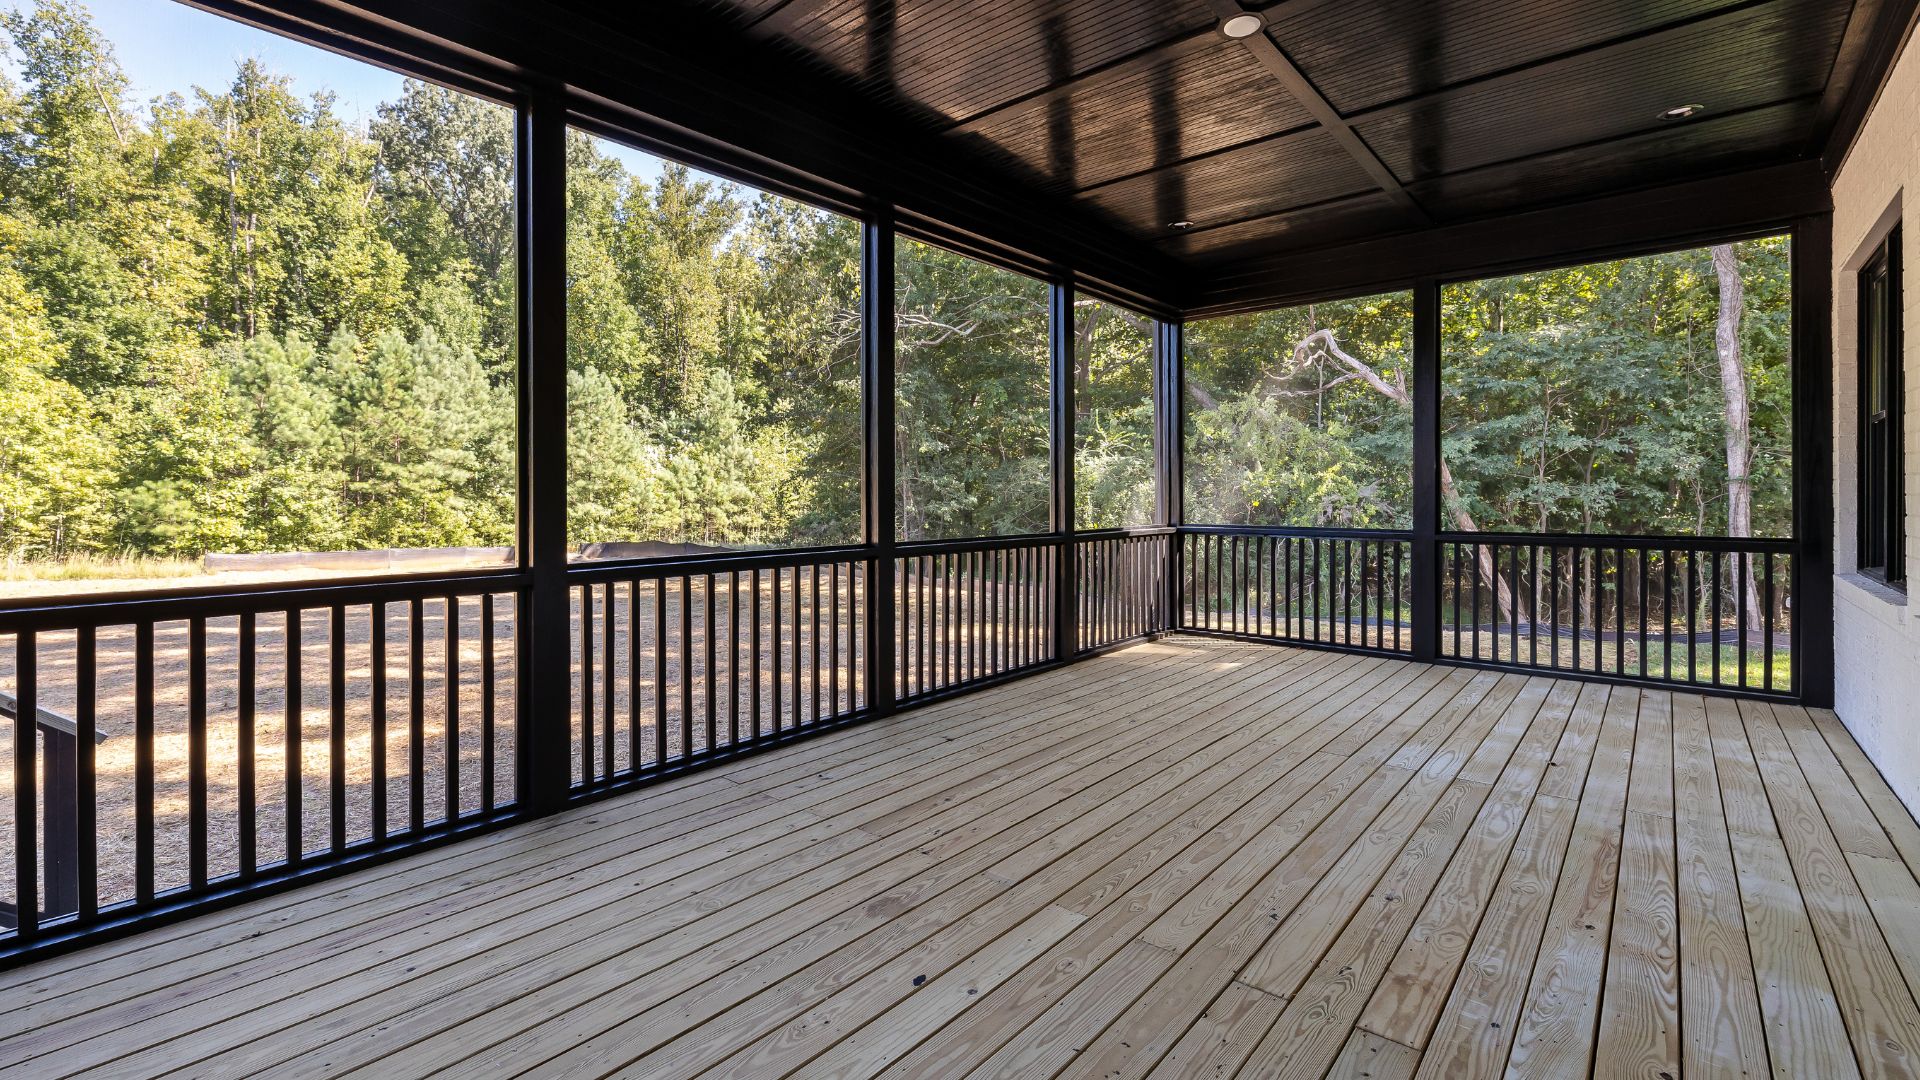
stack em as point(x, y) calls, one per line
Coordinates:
point(1186, 858)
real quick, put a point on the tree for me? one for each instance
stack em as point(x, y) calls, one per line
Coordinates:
point(1733, 387)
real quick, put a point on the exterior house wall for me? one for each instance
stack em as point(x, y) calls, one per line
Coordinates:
point(1876, 629)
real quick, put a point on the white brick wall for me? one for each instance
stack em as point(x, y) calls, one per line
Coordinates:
point(1876, 631)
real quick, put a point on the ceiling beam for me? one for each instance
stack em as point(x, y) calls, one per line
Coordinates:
point(1281, 67)
point(1675, 216)
point(1133, 63)
point(1190, 159)
point(1875, 36)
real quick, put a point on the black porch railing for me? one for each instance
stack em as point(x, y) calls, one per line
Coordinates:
point(258, 735)
point(969, 611)
point(1120, 585)
point(675, 661)
point(1344, 587)
point(253, 735)
point(1707, 611)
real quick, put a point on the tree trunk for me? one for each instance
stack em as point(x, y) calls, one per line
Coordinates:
point(1733, 386)
point(1397, 391)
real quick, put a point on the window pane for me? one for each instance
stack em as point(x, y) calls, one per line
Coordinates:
point(713, 362)
point(971, 401)
point(250, 308)
point(1301, 416)
point(1113, 416)
point(1609, 397)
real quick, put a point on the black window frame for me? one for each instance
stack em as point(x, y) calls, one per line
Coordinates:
point(1882, 505)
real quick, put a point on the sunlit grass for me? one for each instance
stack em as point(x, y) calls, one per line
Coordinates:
point(96, 567)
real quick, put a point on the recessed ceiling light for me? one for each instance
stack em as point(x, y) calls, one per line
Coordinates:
point(1180, 226)
point(1681, 112)
point(1241, 26)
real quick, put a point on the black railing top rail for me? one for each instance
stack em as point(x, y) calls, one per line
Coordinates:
point(1627, 540)
point(1299, 530)
point(69, 613)
point(1122, 531)
point(716, 563)
point(975, 543)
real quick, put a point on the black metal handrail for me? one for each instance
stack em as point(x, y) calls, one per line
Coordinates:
point(686, 660)
point(243, 682)
point(1347, 588)
point(1120, 585)
point(1714, 612)
point(226, 601)
point(712, 563)
point(1335, 532)
point(967, 612)
point(1778, 545)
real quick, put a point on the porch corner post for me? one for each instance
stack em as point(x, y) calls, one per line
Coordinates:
point(1169, 444)
point(877, 478)
point(1060, 436)
point(1813, 476)
point(545, 674)
point(1425, 587)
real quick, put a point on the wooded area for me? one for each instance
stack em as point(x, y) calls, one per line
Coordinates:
point(1641, 396)
point(233, 321)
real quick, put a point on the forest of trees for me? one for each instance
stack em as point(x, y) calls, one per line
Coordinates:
point(1609, 397)
point(231, 320)
point(234, 322)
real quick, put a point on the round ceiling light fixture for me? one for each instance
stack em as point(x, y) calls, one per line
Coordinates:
point(1180, 226)
point(1244, 25)
point(1682, 112)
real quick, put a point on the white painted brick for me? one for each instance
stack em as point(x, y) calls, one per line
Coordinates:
point(1877, 638)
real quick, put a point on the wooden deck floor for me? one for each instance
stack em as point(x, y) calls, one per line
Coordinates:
point(1185, 859)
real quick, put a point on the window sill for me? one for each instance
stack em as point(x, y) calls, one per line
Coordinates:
point(1875, 588)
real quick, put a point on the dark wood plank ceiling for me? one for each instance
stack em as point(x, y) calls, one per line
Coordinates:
point(1142, 113)
point(1080, 131)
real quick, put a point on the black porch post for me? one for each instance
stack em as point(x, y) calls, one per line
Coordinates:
point(1424, 588)
point(1169, 446)
point(1812, 595)
point(544, 630)
point(1066, 626)
point(877, 452)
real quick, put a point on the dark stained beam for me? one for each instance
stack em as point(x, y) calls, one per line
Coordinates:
point(784, 16)
point(1203, 155)
point(1875, 36)
point(1678, 215)
point(1282, 68)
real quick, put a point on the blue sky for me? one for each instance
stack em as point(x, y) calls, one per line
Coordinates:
point(166, 47)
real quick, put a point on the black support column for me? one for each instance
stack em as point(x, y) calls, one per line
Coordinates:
point(1169, 447)
point(1813, 458)
point(877, 453)
point(545, 647)
point(1060, 425)
point(1424, 585)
